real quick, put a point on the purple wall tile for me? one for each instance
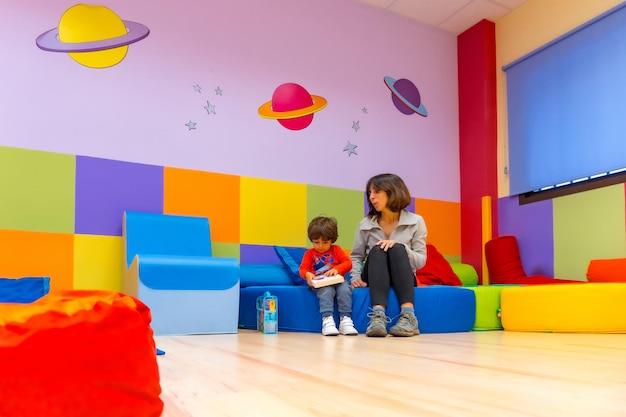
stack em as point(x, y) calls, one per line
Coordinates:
point(106, 188)
point(258, 254)
point(532, 225)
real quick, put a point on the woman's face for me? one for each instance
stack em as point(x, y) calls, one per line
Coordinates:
point(378, 199)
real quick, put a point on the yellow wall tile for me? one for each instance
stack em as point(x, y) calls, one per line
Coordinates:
point(98, 262)
point(273, 212)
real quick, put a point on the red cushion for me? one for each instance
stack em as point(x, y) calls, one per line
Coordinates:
point(81, 354)
point(607, 270)
point(505, 265)
point(437, 270)
point(503, 260)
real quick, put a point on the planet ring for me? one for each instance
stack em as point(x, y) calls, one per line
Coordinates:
point(49, 41)
point(421, 110)
point(318, 104)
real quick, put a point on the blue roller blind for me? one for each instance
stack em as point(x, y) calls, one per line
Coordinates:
point(567, 106)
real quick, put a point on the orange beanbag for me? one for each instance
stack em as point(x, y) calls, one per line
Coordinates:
point(607, 270)
point(80, 354)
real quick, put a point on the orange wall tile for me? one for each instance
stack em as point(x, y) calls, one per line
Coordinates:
point(207, 194)
point(443, 221)
point(38, 254)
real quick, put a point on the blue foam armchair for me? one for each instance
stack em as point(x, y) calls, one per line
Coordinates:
point(169, 265)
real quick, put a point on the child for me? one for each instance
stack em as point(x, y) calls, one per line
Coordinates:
point(329, 259)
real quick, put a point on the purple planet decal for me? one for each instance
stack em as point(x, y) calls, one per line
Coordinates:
point(405, 96)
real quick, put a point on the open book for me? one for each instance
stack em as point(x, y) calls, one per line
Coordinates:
point(322, 281)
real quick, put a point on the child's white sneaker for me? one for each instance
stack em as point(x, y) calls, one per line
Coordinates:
point(346, 327)
point(328, 326)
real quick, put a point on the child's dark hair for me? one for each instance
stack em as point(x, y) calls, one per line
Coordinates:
point(322, 227)
point(397, 192)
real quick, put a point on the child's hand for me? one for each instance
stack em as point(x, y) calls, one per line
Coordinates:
point(331, 272)
point(309, 278)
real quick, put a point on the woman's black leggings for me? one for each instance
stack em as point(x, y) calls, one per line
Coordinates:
point(389, 269)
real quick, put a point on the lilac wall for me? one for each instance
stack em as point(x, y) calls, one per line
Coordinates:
point(137, 110)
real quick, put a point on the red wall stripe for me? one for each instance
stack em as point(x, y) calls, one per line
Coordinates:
point(476, 49)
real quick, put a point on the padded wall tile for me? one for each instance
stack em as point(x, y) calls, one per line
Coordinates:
point(33, 254)
point(36, 190)
point(106, 188)
point(273, 212)
point(205, 194)
point(587, 226)
point(259, 254)
point(97, 262)
point(532, 225)
point(225, 250)
point(342, 204)
point(443, 221)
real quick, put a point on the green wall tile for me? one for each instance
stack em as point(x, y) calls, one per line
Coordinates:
point(344, 205)
point(225, 250)
point(37, 190)
point(587, 226)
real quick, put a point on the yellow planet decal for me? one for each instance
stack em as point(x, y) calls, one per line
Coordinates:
point(93, 36)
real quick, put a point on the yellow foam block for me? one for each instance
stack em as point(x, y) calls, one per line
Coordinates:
point(583, 308)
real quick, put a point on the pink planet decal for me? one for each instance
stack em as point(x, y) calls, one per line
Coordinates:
point(292, 106)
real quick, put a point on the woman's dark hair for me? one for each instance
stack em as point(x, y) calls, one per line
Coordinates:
point(322, 227)
point(398, 196)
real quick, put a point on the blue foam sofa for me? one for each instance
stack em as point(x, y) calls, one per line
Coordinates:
point(439, 308)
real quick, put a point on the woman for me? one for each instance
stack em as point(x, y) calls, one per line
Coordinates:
point(392, 242)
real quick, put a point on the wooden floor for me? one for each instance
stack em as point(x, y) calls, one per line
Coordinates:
point(455, 374)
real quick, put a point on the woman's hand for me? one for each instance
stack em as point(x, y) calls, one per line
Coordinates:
point(385, 244)
point(358, 283)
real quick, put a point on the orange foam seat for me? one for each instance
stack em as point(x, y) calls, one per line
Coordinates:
point(80, 354)
point(607, 270)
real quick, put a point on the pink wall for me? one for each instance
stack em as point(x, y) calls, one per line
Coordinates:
point(137, 110)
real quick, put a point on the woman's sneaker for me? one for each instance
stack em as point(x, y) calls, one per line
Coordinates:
point(378, 324)
point(406, 326)
point(346, 327)
point(328, 326)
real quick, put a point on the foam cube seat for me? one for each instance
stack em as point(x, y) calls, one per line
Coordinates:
point(488, 306)
point(169, 265)
point(584, 307)
point(80, 354)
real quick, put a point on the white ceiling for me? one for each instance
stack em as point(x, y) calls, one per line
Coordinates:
point(454, 16)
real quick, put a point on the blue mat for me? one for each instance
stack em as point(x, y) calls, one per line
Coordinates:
point(23, 290)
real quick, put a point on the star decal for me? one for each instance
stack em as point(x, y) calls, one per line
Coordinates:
point(364, 110)
point(197, 88)
point(210, 108)
point(355, 126)
point(218, 91)
point(350, 148)
point(191, 125)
